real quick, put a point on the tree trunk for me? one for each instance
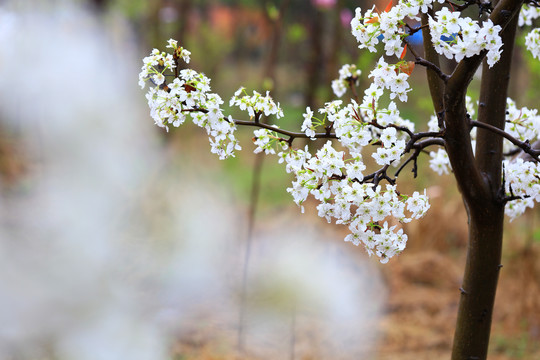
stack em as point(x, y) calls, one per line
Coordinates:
point(315, 60)
point(473, 326)
point(485, 206)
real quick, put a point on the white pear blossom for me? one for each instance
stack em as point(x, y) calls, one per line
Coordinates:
point(527, 15)
point(347, 73)
point(256, 103)
point(522, 179)
point(307, 125)
point(337, 184)
point(386, 76)
point(187, 94)
point(439, 162)
point(458, 37)
point(265, 140)
point(532, 42)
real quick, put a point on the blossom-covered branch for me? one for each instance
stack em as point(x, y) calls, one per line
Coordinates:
point(336, 175)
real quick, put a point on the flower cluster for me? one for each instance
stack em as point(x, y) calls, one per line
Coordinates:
point(439, 162)
point(532, 42)
point(337, 180)
point(522, 179)
point(188, 94)
point(347, 74)
point(256, 104)
point(309, 126)
point(267, 141)
point(523, 124)
point(154, 66)
point(459, 37)
point(337, 183)
point(391, 77)
point(357, 126)
point(391, 149)
point(370, 27)
point(366, 28)
point(293, 158)
point(527, 15)
point(352, 131)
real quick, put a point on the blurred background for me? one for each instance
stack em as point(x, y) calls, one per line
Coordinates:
point(121, 241)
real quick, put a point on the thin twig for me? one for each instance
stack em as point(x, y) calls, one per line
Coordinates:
point(413, 30)
point(379, 175)
point(256, 123)
point(375, 124)
point(352, 85)
point(295, 135)
point(418, 148)
point(420, 61)
point(428, 64)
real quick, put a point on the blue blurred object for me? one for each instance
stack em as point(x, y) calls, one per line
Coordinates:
point(448, 39)
point(416, 38)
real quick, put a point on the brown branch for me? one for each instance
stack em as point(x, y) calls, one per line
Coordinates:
point(523, 145)
point(418, 149)
point(379, 175)
point(414, 136)
point(352, 84)
point(256, 123)
point(291, 134)
point(435, 82)
point(492, 110)
point(428, 64)
point(431, 66)
point(375, 124)
point(413, 30)
point(470, 179)
point(413, 157)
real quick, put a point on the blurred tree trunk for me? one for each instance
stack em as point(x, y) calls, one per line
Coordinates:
point(153, 23)
point(275, 42)
point(98, 5)
point(258, 164)
point(184, 9)
point(335, 44)
point(315, 61)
